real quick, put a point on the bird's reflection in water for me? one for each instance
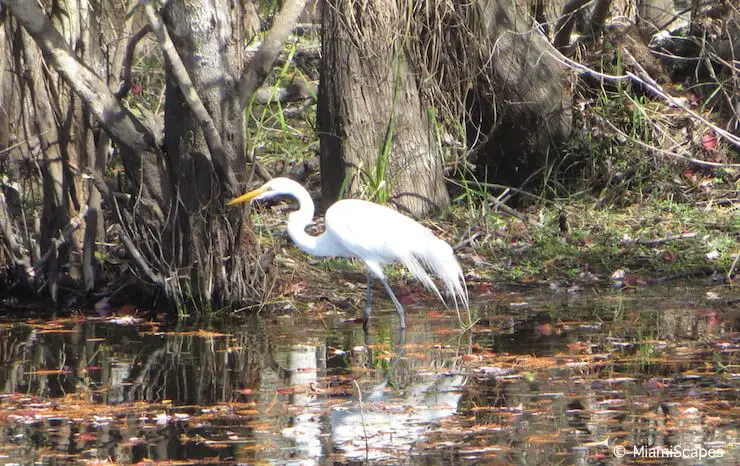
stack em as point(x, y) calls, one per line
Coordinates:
point(377, 423)
point(383, 426)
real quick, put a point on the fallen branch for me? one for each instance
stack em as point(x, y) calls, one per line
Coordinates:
point(298, 90)
point(657, 241)
point(511, 212)
point(649, 84)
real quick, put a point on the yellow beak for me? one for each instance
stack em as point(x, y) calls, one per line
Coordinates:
point(247, 197)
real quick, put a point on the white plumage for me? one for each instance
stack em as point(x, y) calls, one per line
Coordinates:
point(375, 234)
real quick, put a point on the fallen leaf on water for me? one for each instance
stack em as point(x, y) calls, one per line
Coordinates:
point(578, 346)
point(48, 372)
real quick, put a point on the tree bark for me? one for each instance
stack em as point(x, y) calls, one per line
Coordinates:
point(209, 46)
point(520, 110)
point(175, 228)
point(653, 16)
point(378, 140)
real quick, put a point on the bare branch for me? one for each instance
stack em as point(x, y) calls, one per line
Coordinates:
point(684, 156)
point(646, 80)
point(658, 241)
point(125, 77)
point(649, 84)
point(128, 243)
point(116, 119)
point(261, 64)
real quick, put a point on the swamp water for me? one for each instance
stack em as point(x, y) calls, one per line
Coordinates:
point(608, 377)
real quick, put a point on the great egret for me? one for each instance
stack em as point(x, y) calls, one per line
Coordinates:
point(372, 233)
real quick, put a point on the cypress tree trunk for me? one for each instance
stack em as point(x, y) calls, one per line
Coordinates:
point(204, 235)
point(377, 137)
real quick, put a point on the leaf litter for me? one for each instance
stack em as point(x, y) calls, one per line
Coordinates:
point(561, 379)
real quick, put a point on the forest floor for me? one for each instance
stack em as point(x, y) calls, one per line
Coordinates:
point(565, 248)
point(642, 194)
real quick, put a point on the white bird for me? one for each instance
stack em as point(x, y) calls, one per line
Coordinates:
point(373, 233)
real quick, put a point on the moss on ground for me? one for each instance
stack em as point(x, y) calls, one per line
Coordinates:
point(579, 243)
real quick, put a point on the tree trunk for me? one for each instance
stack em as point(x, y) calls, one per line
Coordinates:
point(40, 127)
point(172, 221)
point(204, 234)
point(653, 16)
point(377, 138)
point(520, 109)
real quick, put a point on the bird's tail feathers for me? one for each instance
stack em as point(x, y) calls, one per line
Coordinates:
point(419, 271)
point(439, 259)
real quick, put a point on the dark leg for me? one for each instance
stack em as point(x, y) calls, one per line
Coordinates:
point(376, 269)
point(368, 301)
point(399, 307)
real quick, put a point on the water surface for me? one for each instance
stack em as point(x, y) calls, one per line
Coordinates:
point(542, 378)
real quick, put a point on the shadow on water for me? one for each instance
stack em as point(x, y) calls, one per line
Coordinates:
point(540, 380)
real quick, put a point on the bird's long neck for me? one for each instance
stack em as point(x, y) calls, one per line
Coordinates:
point(299, 220)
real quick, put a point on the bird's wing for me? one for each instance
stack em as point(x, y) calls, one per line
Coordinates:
point(376, 233)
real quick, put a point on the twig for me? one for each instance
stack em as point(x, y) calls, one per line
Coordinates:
point(731, 272)
point(362, 417)
point(657, 241)
point(469, 238)
point(511, 212)
point(651, 84)
point(131, 248)
point(128, 59)
point(137, 256)
point(687, 158)
point(655, 88)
